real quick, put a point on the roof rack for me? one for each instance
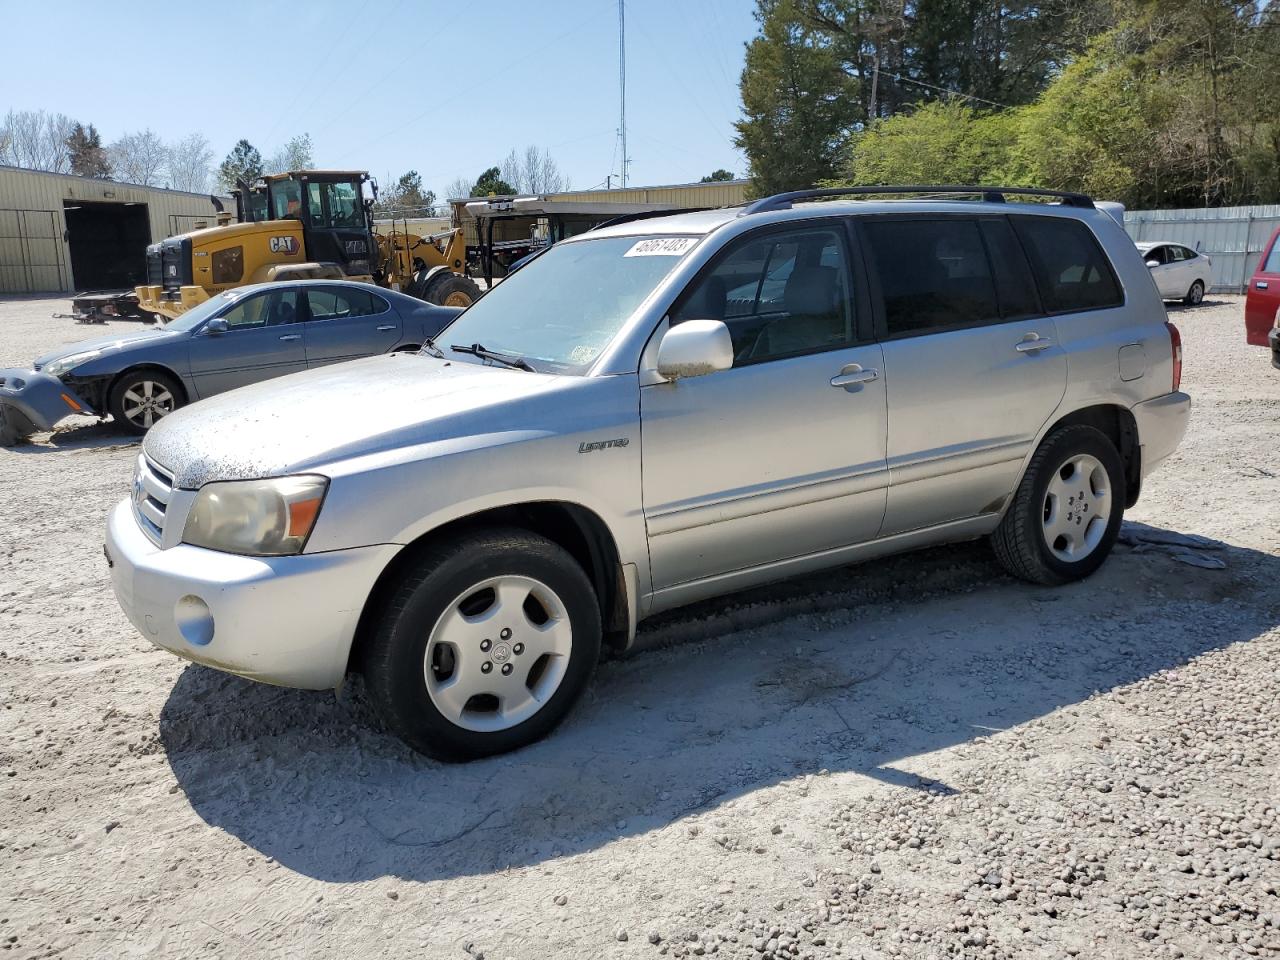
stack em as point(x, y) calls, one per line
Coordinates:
point(784, 201)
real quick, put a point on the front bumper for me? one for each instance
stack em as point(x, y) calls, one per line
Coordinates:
point(289, 621)
point(1162, 422)
point(40, 399)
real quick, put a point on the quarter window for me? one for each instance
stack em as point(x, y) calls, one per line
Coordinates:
point(338, 304)
point(934, 274)
point(780, 295)
point(1070, 268)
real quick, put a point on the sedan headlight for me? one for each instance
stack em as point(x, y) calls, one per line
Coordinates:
point(56, 368)
point(262, 518)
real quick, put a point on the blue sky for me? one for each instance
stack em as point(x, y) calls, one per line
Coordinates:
point(390, 85)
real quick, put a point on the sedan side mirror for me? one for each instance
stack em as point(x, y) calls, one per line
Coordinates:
point(695, 348)
point(216, 326)
point(1153, 263)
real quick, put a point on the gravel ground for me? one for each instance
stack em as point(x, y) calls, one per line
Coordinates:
point(917, 757)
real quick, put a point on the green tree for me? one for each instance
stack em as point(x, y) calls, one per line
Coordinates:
point(406, 198)
point(296, 154)
point(941, 142)
point(491, 183)
point(717, 176)
point(244, 162)
point(88, 156)
point(799, 104)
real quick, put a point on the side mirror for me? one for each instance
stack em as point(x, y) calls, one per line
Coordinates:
point(1153, 263)
point(216, 326)
point(695, 348)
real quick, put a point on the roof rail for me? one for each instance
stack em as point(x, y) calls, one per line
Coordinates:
point(784, 201)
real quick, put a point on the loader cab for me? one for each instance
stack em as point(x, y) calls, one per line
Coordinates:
point(331, 207)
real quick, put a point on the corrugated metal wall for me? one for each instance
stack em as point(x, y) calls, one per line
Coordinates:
point(1233, 237)
point(34, 256)
point(724, 193)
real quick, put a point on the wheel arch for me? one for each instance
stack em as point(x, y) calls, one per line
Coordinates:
point(577, 529)
point(148, 365)
point(1118, 424)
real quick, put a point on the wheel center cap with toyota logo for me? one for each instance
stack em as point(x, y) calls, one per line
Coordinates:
point(501, 652)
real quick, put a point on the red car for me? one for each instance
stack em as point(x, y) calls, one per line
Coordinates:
point(1263, 301)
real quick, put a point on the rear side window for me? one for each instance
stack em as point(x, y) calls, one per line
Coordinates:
point(1015, 289)
point(1069, 266)
point(336, 304)
point(933, 274)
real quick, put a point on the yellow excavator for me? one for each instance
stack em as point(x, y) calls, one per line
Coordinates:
point(303, 225)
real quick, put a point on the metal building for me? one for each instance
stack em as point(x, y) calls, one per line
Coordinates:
point(61, 233)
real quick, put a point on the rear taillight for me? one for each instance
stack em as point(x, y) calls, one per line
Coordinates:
point(1175, 343)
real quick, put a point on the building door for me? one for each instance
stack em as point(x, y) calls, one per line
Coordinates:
point(108, 243)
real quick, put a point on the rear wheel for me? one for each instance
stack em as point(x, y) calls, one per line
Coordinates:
point(1066, 513)
point(141, 398)
point(451, 290)
point(1195, 296)
point(485, 645)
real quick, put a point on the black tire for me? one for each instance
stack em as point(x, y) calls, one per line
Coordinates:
point(451, 290)
point(1020, 542)
point(135, 382)
point(395, 658)
point(1195, 296)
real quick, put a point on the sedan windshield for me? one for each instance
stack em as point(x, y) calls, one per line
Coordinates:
point(562, 310)
point(192, 318)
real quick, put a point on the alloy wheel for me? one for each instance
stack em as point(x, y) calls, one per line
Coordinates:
point(146, 402)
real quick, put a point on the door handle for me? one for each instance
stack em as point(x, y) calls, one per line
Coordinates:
point(385, 327)
point(1033, 343)
point(292, 336)
point(1262, 285)
point(853, 376)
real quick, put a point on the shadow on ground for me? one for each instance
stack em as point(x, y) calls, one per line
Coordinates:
point(79, 433)
point(901, 658)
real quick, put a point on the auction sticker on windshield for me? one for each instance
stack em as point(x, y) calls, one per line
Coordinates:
point(662, 247)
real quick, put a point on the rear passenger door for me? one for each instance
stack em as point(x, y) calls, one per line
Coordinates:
point(346, 323)
point(1163, 274)
point(972, 363)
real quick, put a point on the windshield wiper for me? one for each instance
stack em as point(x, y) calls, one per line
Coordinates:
point(478, 350)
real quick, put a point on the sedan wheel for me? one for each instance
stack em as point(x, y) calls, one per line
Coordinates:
point(141, 399)
point(1195, 296)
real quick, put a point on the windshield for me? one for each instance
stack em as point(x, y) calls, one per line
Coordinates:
point(564, 308)
point(197, 315)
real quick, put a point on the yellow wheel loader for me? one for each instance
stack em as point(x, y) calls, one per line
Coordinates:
point(303, 225)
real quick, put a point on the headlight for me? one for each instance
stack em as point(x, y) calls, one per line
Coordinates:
point(56, 368)
point(263, 518)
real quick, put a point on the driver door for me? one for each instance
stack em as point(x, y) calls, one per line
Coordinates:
point(778, 457)
point(263, 339)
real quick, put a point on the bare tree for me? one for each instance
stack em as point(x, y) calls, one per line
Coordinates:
point(459, 189)
point(539, 173)
point(140, 158)
point(294, 155)
point(513, 173)
point(36, 140)
point(190, 162)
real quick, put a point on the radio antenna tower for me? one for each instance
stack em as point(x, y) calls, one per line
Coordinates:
point(622, 83)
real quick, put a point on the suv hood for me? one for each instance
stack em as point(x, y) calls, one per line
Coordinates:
point(112, 344)
point(306, 420)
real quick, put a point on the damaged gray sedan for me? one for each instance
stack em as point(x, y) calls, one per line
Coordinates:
point(236, 338)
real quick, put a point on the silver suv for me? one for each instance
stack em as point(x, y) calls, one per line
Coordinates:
point(649, 414)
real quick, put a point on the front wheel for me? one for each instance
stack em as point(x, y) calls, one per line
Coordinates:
point(485, 644)
point(140, 398)
point(1066, 512)
point(451, 290)
point(1195, 296)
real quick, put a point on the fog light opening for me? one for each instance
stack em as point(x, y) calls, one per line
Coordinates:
point(194, 620)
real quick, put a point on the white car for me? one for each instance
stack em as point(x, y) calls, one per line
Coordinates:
point(1179, 272)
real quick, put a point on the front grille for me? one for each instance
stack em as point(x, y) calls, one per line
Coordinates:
point(152, 487)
